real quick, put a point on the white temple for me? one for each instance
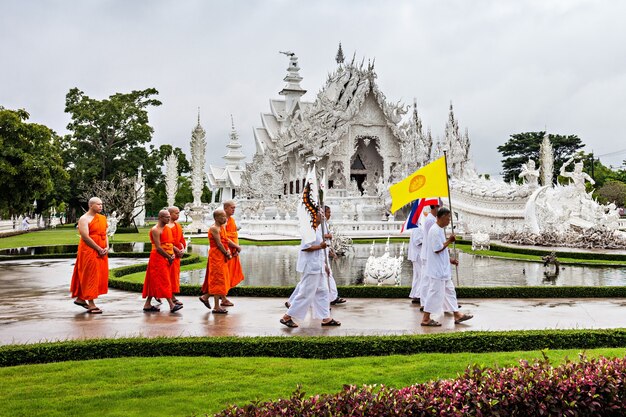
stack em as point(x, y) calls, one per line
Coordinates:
point(227, 180)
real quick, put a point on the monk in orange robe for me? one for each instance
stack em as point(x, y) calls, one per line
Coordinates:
point(179, 249)
point(217, 280)
point(234, 265)
point(91, 271)
point(158, 282)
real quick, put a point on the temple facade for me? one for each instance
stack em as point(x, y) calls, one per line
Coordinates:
point(225, 181)
point(363, 141)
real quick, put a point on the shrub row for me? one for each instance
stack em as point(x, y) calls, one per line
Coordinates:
point(132, 269)
point(311, 347)
point(560, 254)
point(595, 387)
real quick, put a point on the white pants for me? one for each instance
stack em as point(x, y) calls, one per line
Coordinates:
point(415, 285)
point(424, 283)
point(334, 294)
point(312, 291)
point(441, 296)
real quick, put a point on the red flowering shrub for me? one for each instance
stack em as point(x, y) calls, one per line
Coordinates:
point(591, 387)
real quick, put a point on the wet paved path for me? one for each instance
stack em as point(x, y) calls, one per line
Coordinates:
point(36, 307)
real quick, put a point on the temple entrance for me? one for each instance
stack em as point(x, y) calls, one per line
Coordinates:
point(366, 165)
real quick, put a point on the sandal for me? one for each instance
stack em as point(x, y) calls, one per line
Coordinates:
point(83, 305)
point(331, 322)
point(219, 311)
point(152, 309)
point(177, 302)
point(176, 308)
point(205, 302)
point(226, 304)
point(288, 323)
point(338, 300)
point(94, 310)
point(463, 318)
point(431, 323)
point(287, 304)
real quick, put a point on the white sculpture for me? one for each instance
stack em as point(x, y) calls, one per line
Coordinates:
point(530, 174)
point(171, 178)
point(112, 221)
point(384, 270)
point(139, 213)
point(196, 210)
point(480, 241)
point(546, 159)
point(577, 176)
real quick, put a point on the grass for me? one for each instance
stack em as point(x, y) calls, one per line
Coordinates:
point(184, 386)
point(65, 236)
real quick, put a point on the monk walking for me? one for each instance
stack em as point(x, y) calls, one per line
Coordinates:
point(91, 271)
point(234, 265)
point(179, 249)
point(158, 282)
point(217, 280)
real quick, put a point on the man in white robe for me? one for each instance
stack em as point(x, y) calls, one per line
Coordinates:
point(413, 255)
point(441, 293)
point(430, 219)
point(313, 288)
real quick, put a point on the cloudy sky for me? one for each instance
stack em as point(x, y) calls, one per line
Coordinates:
point(507, 66)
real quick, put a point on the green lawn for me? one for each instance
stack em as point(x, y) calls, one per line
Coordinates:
point(183, 386)
point(65, 236)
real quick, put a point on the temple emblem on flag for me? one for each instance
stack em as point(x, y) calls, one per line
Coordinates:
point(417, 182)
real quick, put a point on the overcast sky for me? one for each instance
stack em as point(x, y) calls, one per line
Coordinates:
point(507, 66)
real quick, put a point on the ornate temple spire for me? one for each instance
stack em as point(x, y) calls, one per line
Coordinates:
point(339, 58)
point(292, 90)
point(198, 149)
point(234, 157)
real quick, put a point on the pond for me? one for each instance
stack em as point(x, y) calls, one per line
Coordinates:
point(275, 266)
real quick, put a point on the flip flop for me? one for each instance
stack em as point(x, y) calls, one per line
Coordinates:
point(288, 323)
point(83, 305)
point(177, 302)
point(176, 308)
point(220, 311)
point(332, 322)
point(463, 318)
point(338, 300)
point(205, 302)
point(226, 304)
point(287, 304)
point(151, 309)
point(94, 311)
point(431, 323)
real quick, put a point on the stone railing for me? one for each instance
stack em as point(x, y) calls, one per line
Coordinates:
point(621, 224)
point(289, 228)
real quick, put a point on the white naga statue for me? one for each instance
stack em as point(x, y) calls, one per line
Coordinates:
point(530, 174)
point(577, 176)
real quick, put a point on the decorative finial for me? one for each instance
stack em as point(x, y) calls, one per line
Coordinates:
point(232, 122)
point(198, 115)
point(339, 58)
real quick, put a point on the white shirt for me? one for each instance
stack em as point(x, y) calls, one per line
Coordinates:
point(437, 264)
point(415, 244)
point(311, 262)
point(428, 223)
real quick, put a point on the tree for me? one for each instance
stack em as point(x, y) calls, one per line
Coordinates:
point(105, 133)
point(108, 138)
point(29, 162)
point(117, 194)
point(524, 146)
point(612, 192)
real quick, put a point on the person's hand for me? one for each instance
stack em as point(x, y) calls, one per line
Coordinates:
point(452, 238)
point(323, 245)
point(454, 261)
point(327, 270)
point(228, 256)
point(328, 236)
point(103, 251)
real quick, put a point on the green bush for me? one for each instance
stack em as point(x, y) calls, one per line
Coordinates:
point(311, 347)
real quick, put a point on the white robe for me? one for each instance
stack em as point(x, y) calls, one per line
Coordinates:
point(413, 255)
point(441, 294)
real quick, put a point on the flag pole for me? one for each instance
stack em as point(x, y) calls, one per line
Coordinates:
point(456, 267)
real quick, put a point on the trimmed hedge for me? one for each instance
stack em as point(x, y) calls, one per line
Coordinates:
point(311, 347)
point(559, 254)
point(71, 255)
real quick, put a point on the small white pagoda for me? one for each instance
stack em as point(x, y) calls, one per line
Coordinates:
point(227, 179)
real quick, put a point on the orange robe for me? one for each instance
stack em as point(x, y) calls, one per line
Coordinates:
point(179, 242)
point(91, 272)
point(217, 279)
point(234, 265)
point(157, 282)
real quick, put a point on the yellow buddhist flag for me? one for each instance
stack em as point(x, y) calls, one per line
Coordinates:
point(429, 181)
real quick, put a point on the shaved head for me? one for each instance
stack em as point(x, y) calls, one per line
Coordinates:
point(229, 203)
point(173, 209)
point(94, 200)
point(164, 213)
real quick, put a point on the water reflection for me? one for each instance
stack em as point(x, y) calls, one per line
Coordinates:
point(275, 266)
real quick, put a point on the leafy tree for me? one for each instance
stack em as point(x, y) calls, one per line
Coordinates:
point(29, 162)
point(109, 133)
point(108, 138)
point(612, 192)
point(524, 146)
